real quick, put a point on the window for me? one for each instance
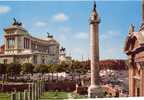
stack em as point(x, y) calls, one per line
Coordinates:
point(52, 50)
point(11, 43)
point(26, 43)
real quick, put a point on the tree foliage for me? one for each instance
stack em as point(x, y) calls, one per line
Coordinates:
point(41, 68)
point(3, 68)
point(14, 68)
point(27, 68)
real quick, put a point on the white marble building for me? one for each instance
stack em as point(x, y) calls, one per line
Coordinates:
point(19, 46)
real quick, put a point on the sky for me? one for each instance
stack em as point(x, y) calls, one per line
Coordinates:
point(68, 22)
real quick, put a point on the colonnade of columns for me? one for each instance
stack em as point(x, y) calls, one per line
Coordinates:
point(34, 92)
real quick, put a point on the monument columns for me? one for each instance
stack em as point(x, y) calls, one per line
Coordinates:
point(94, 53)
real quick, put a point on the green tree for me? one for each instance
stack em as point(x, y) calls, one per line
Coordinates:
point(41, 68)
point(77, 68)
point(72, 69)
point(27, 68)
point(51, 68)
point(14, 69)
point(64, 67)
point(3, 71)
point(58, 69)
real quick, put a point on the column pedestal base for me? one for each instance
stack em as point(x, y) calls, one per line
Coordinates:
point(95, 91)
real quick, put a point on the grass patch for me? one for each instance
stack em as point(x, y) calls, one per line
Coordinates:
point(4, 96)
point(54, 96)
point(77, 96)
point(81, 97)
point(48, 96)
point(7, 96)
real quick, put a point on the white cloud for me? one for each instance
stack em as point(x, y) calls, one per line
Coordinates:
point(41, 24)
point(81, 35)
point(4, 9)
point(60, 17)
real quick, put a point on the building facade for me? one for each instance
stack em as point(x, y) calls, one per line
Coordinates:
point(134, 48)
point(19, 46)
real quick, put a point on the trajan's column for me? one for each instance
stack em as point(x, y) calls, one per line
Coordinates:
point(94, 53)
